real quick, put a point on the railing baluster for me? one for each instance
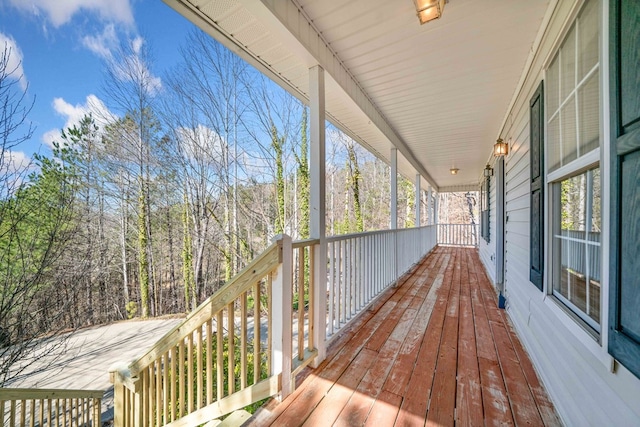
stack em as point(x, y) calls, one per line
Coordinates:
point(165, 387)
point(209, 342)
point(32, 413)
point(231, 334)
point(199, 394)
point(301, 296)
point(312, 301)
point(219, 355)
point(331, 248)
point(340, 284)
point(190, 373)
point(243, 341)
point(257, 329)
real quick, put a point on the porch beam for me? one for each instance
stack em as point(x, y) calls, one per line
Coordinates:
point(394, 188)
point(318, 207)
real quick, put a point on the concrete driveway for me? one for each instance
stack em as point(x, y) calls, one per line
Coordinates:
point(89, 353)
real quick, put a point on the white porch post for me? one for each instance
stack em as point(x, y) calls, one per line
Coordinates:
point(281, 292)
point(435, 207)
point(394, 213)
point(430, 207)
point(318, 217)
point(394, 189)
point(418, 200)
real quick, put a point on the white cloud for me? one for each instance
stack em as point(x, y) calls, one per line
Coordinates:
point(13, 161)
point(60, 12)
point(14, 63)
point(102, 44)
point(74, 113)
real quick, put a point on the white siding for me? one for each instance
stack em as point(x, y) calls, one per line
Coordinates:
point(575, 369)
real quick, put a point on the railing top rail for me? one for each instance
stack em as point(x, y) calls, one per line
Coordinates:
point(30, 393)
point(304, 243)
point(372, 233)
point(257, 269)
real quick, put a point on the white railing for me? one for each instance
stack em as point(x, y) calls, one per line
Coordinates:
point(458, 234)
point(361, 266)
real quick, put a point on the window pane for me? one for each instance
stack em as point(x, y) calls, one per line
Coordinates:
point(553, 86)
point(588, 39)
point(568, 150)
point(596, 220)
point(553, 138)
point(568, 64)
point(576, 277)
point(589, 113)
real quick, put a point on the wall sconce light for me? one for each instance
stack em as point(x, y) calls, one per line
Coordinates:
point(428, 10)
point(488, 171)
point(454, 171)
point(500, 148)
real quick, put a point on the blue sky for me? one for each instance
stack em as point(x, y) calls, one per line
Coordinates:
point(62, 45)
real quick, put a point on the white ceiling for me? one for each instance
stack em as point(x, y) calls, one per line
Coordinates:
point(439, 92)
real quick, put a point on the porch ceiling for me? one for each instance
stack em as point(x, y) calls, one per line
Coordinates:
point(439, 92)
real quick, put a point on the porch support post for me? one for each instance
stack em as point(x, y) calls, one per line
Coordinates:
point(281, 292)
point(318, 209)
point(430, 207)
point(435, 207)
point(418, 200)
point(394, 189)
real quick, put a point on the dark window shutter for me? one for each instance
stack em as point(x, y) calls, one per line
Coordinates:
point(536, 133)
point(624, 280)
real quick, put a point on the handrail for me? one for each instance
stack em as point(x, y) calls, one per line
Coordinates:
point(55, 406)
point(304, 243)
point(338, 237)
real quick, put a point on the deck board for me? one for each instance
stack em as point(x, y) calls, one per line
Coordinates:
point(434, 350)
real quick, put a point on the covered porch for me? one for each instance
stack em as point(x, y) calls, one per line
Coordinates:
point(435, 349)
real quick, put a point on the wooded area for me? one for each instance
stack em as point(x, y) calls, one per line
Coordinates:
point(148, 210)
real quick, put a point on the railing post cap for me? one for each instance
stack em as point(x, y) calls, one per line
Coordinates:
point(118, 367)
point(279, 237)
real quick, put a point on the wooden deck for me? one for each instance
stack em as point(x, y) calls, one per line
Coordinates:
point(435, 350)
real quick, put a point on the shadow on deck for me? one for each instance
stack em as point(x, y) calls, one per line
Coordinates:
point(435, 350)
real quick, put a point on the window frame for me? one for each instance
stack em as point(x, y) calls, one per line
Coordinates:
point(579, 165)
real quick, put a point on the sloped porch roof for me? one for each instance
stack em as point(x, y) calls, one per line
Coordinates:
point(438, 92)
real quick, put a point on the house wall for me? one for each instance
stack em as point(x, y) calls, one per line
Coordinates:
point(586, 385)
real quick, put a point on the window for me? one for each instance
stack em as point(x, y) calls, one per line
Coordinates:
point(576, 243)
point(573, 174)
point(485, 193)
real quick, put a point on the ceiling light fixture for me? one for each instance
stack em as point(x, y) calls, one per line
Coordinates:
point(428, 10)
point(454, 171)
point(500, 148)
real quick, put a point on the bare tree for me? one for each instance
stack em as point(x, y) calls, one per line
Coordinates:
point(35, 223)
point(132, 89)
